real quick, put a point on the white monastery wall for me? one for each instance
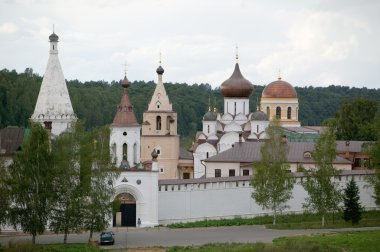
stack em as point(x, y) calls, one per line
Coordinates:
point(228, 199)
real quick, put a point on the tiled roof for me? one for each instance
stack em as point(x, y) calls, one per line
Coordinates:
point(125, 115)
point(11, 139)
point(184, 154)
point(249, 152)
point(351, 146)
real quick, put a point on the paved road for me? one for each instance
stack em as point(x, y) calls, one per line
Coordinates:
point(150, 237)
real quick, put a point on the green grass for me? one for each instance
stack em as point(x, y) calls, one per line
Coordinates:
point(26, 247)
point(366, 241)
point(288, 221)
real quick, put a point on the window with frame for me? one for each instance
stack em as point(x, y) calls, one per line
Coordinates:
point(158, 123)
point(245, 172)
point(218, 173)
point(186, 175)
point(278, 112)
point(231, 173)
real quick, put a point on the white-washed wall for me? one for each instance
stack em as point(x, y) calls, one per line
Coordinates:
point(228, 199)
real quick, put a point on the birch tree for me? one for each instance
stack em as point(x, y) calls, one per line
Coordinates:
point(272, 183)
point(30, 183)
point(324, 195)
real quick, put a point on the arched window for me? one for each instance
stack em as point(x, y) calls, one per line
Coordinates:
point(168, 122)
point(113, 150)
point(135, 153)
point(125, 151)
point(257, 128)
point(278, 112)
point(158, 123)
point(208, 128)
point(234, 108)
point(289, 113)
point(268, 112)
point(207, 154)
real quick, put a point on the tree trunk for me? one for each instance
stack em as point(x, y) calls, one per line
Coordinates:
point(274, 217)
point(90, 238)
point(65, 238)
point(323, 220)
point(34, 239)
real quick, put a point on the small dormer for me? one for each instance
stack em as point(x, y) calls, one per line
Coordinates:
point(307, 155)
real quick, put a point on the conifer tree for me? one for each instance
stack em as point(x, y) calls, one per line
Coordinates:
point(352, 207)
point(324, 195)
point(271, 182)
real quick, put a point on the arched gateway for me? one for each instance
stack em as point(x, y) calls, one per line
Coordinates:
point(128, 201)
point(126, 216)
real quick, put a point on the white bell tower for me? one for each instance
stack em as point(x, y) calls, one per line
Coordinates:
point(53, 105)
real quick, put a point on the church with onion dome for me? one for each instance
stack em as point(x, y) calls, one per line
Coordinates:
point(222, 130)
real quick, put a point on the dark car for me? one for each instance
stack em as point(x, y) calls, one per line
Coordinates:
point(107, 238)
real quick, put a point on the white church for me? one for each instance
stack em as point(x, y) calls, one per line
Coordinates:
point(160, 183)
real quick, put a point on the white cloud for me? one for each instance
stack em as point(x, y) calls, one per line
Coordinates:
point(8, 28)
point(316, 41)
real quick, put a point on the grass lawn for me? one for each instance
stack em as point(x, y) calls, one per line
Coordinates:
point(26, 247)
point(366, 241)
point(289, 221)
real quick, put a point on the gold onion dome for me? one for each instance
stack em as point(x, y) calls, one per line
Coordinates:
point(279, 89)
point(236, 85)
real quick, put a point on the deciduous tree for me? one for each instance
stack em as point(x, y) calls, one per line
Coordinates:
point(323, 194)
point(271, 182)
point(68, 197)
point(97, 203)
point(4, 195)
point(354, 120)
point(31, 184)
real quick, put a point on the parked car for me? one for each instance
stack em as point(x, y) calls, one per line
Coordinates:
point(107, 238)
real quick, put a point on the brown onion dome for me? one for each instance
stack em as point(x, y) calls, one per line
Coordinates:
point(279, 89)
point(125, 82)
point(53, 37)
point(160, 70)
point(236, 85)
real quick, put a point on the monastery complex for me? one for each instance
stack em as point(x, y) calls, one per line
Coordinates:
point(161, 183)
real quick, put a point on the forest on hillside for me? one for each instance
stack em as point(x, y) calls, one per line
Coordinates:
point(95, 102)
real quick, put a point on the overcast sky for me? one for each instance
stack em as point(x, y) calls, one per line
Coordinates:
point(312, 42)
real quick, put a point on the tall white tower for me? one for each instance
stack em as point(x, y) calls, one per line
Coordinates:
point(53, 105)
point(125, 133)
